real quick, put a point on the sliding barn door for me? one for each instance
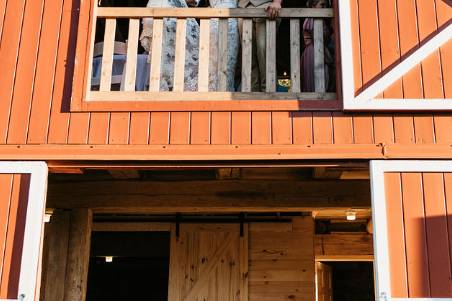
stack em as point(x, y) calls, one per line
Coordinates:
point(22, 199)
point(412, 207)
point(208, 262)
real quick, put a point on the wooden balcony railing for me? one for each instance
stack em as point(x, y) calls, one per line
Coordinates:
point(127, 91)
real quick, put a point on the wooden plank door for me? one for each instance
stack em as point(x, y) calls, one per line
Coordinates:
point(324, 275)
point(22, 204)
point(412, 213)
point(209, 262)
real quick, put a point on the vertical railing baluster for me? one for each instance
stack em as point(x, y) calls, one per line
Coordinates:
point(132, 55)
point(107, 55)
point(204, 56)
point(156, 55)
point(319, 57)
point(295, 78)
point(271, 57)
point(247, 52)
point(223, 28)
point(179, 64)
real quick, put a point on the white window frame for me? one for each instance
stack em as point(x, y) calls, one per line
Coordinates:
point(367, 99)
point(381, 257)
point(34, 225)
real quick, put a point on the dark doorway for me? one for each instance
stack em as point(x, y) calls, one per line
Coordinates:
point(138, 270)
point(353, 281)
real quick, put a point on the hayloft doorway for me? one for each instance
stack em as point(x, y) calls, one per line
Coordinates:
point(345, 281)
point(128, 266)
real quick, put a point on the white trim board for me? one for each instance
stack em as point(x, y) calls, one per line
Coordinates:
point(366, 100)
point(33, 225)
point(378, 169)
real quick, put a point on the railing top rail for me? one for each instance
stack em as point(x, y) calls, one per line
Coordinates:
point(207, 13)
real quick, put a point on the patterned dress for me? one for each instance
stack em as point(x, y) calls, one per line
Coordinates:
point(233, 47)
point(169, 43)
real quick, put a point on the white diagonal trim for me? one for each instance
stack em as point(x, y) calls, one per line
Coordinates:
point(442, 37)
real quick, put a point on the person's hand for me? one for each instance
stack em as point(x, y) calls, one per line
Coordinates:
point(273, 9)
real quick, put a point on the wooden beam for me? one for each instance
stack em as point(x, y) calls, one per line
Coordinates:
point(78, 255)
point(339, 244)
point(57, 246)
point(207, 196)
point(228, 173)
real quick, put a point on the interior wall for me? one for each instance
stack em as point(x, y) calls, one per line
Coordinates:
point(281, 260)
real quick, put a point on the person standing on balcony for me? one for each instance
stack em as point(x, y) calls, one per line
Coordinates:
point(233, 47)
point(307, 58)
point(169, 45)
point(258, 69)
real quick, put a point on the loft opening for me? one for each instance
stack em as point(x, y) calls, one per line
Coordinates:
point(206, 52)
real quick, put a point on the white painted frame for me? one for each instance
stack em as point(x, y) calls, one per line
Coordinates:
point(378, 169)
point(366, 100)
point(34, 225)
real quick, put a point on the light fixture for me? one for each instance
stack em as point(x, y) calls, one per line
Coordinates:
point(108, 258)
point(48, 215)
point(351, 215)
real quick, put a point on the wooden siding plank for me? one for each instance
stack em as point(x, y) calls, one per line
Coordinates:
point(363, 129)
point(404, 129)
point(437, 236)
point(159, 128)
point(322, 127)
point(443, 11)
point(220, 128)
point(415, 236)
point(119, 128)
point(78, 128)
point(389, 43)
point(59, 113)
point(396, 236)
point(412, 81)
point(2, 15)
point(343, 128)
point(98, 128)
point(139, 128)
point(370, 45)
point(14, 237)
point(357, 64)
point(431, 66)
point(383, 128)
point(446, 59)
point(25, 73)
point(6, 182)
point(9, 50)
point(200, 128)
point(45, 68)
point(241, 128)
point(443, 134)
point(302, 128)
point(261, 128)
point(448, 195)
point(281, 128)
point(180, 128)
point(424, 129)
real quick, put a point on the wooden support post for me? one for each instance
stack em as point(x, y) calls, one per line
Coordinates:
point(57, 247)
point(107, 56)
point(132, 51)
point(271, 56)
point(223, 28)
point(78, 255)
point(204, 56)
point(295, 55)
point(179, 64)
point(247, 37)
point(156, 55)
point(319, 57)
